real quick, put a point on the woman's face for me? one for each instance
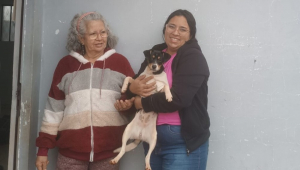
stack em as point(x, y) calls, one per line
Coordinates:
point(177, 32)
point(95, 38)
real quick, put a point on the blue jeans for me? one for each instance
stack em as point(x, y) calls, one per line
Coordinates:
point(170, 151)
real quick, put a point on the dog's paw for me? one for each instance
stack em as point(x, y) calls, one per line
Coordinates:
point(169, 97)
point(124, 88)
point(113, 162)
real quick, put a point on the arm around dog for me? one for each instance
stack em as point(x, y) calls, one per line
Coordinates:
point(139, 85)
point(190, 72)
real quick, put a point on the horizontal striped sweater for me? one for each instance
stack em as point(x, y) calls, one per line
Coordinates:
point(80, 118)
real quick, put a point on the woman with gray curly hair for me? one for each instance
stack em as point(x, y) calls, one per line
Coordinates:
point(81, 117)
point(79, 30)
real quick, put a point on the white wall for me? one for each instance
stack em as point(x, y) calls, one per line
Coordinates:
point(252, 48)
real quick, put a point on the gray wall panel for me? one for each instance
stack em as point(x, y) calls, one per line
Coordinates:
point(252, 48)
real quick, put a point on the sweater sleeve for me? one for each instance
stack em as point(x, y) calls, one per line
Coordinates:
point(191, 72)
point(53, 114)
point(128, 73)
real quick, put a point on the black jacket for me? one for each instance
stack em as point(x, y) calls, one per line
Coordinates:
point(189, 90)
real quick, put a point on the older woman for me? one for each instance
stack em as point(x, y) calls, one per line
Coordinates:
point(183, 124)
point(80, 117)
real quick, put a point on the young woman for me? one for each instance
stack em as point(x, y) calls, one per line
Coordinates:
point(183, 124)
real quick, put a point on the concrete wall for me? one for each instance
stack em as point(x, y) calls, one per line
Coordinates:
point(252, 48)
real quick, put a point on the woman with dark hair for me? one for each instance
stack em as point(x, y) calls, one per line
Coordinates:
point(183, 124)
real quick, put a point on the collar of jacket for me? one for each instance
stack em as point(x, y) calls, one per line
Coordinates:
point(83, 60)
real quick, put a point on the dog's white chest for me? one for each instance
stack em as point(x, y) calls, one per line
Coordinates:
point(161, 80)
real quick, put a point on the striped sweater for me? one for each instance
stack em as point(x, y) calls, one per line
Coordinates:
point(80, 117)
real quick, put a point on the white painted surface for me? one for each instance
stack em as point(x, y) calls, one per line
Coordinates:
point(252, 48)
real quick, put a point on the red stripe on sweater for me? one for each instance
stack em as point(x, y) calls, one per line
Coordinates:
point(77, 143)
point(45, 140)
point(69, 64)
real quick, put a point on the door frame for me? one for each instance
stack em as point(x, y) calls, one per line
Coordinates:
point(15, 104)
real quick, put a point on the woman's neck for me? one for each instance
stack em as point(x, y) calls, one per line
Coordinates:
point(171, 52)
point(92, 57)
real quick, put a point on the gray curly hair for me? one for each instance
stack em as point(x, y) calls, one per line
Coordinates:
point(74, 44)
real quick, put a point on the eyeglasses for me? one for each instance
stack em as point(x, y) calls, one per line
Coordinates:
point(94, 35)
point(181, 30)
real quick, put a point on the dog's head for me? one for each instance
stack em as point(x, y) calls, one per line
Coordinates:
point(156, 59)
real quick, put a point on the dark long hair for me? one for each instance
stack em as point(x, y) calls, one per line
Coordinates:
point(189, 18)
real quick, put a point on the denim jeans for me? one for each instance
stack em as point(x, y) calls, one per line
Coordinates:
point(170, 151)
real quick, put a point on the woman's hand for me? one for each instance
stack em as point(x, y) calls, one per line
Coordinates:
point(41, 162)
point(138, 103)
point(140, 87)
point(121, 105)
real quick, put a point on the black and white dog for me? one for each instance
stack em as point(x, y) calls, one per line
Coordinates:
point(143, 125)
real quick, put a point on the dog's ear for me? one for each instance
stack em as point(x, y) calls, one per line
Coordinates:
point(166, 57)
point(147, 53)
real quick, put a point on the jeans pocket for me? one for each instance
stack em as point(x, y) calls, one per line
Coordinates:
point(175, 130)
point(168, 135)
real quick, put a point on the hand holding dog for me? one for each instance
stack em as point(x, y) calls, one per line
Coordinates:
point(121, 105)
point(140, 87)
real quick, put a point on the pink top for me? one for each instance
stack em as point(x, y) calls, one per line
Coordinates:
point(169, 118)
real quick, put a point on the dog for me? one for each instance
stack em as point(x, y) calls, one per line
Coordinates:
point(143, 125)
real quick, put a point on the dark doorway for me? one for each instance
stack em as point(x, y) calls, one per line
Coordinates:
point(7, 27)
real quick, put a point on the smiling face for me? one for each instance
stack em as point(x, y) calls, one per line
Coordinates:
point(95, 38)
point(176, 33)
